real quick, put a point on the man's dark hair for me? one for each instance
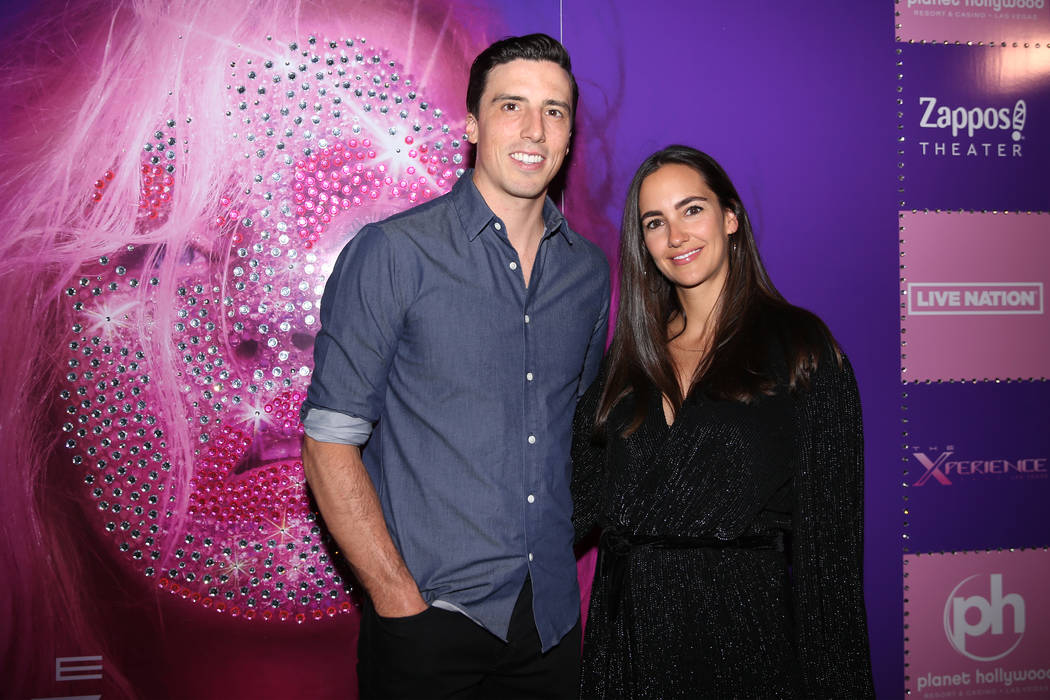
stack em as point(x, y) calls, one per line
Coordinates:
point(531, 47)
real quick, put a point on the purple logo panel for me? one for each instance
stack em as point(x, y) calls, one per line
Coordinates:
point(976, 465)
point(975, 124)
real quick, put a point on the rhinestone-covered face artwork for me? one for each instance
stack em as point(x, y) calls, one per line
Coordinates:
point(330, 135)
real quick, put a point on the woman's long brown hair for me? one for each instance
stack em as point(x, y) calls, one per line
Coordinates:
point(749, 313)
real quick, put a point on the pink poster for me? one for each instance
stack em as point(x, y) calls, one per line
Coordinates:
point(977, 624)
point(973, 287)
point(1013, 22)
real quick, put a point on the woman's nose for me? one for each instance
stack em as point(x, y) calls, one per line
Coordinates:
point(675, 236)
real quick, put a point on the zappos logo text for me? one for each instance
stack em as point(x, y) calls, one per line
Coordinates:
point(973, 119)
point(984, 628)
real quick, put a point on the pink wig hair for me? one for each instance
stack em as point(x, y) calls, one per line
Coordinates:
point(84, 85)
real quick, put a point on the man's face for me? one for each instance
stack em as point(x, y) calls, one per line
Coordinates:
point(521, 131)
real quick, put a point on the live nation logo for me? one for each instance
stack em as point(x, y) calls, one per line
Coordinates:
point(974, 298)
point(946, 467)
point(971, 131)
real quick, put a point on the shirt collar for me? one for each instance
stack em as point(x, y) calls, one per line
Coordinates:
point(475, 214)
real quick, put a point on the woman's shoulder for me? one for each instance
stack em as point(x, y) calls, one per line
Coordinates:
point(787, 323)
point(799, 341)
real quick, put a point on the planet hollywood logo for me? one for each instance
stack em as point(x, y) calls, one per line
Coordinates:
point(984, 628)
point(978, 624)
point(940, 466)
point(995, 6)
point(983, 132)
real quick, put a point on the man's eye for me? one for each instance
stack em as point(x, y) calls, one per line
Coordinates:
point(509, 106)
point(554, 112)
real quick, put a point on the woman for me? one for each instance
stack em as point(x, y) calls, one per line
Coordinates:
point(720, 451)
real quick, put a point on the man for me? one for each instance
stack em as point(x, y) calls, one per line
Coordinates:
point(460, 334)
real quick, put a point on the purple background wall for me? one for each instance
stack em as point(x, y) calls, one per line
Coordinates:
point(796, 101)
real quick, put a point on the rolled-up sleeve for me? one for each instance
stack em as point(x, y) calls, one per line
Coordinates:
point(331, 426)
point(362, 313)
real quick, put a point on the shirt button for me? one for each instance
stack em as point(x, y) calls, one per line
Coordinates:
point(530, 556)
point(532, 439)
point(526, 318)
point(513, 265)
point(528, 376)
point(531, 498)
point(497, 226)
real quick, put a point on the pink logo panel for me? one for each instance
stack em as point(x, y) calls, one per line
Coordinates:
point(991, 21)
point(977, 624)
point(973, 292)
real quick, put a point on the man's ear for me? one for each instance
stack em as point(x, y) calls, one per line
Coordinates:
point(472, 128)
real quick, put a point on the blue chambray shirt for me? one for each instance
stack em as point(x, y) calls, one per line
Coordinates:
point(471, 378)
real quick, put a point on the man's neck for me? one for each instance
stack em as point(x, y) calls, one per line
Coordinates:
point(522, 216)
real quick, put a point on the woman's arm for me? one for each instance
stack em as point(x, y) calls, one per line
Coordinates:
point(588, 460)
point(827, 550)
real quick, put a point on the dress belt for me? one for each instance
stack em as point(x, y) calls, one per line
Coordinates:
point(615, 547)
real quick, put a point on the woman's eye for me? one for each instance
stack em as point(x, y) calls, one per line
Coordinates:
point(651, 224)
point(694, 209)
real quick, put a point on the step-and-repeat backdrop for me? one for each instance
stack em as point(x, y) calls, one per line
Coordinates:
point(973, 103)
point(178, 179)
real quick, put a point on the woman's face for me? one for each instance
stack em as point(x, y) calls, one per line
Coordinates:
point(686, 231)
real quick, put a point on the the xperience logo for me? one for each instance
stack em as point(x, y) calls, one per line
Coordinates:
point(942, 469)
point(933, 468)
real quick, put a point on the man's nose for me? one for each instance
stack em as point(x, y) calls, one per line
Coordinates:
point(532, 125)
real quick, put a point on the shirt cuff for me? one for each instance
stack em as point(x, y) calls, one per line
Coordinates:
point(332, 426)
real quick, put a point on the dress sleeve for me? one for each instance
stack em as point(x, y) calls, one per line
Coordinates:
point(827, 549)
point(588, 461)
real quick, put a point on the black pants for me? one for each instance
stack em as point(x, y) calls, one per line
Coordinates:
point(443, 654)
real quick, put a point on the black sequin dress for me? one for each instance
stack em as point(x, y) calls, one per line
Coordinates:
point(731, 561)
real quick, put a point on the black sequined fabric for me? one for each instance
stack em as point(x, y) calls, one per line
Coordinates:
point(741, 620)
